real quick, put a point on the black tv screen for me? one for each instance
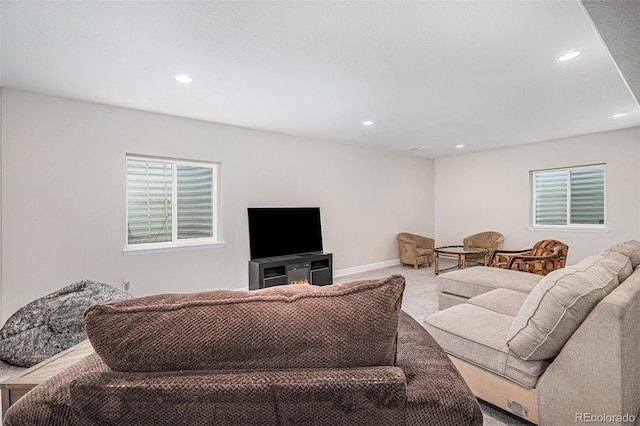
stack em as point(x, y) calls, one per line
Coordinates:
point(281, 231)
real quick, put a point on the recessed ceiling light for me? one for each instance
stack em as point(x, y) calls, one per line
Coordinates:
point(459, 146)
point(183, 78)
point(622, 114)
point(367, 123)
point(568, 56)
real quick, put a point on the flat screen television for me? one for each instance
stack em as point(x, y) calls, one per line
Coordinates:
point(282, 231)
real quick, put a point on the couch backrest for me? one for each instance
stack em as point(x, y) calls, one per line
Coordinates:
point(282, 327)
point(597, 370)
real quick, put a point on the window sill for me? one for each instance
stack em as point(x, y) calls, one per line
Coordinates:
point(171, 247)
point(599, 230)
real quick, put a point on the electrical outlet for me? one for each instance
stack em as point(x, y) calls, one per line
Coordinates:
point(126, 285)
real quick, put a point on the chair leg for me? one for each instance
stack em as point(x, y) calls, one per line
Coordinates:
point(415, 266)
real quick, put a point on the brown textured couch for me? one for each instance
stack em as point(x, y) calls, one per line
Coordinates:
point(335, 355)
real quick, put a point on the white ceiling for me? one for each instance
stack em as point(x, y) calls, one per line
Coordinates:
point(430, 74)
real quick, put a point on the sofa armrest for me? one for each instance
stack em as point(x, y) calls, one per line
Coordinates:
point(367, 395)
point(436, 392)
point(597, 370)
point(48, 403)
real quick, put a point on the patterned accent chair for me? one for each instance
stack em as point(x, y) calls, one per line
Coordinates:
point(415, 249)
point(544, 257)
point(489, 240)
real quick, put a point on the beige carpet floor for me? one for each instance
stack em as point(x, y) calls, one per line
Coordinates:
point(420, 300)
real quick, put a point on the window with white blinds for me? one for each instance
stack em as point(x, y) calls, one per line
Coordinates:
point(569, 197)
point(170, 201)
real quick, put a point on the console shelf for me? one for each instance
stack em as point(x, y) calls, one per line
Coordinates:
point(315, 267)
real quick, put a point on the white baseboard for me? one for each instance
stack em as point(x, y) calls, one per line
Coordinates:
point(365, 268)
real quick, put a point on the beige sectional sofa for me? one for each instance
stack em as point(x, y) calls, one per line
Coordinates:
point(554, 350)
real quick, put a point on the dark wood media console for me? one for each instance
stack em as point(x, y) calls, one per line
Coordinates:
point(316, 268)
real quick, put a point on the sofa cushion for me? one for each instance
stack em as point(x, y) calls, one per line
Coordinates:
point(474, 281)
point(295, 326)
point(630, 249)
point(557, 306)
point(479, 336)
point(446, 300)
point(501, 300)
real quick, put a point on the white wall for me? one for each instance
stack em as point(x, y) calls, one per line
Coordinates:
point(63, 175)
point(490, 191)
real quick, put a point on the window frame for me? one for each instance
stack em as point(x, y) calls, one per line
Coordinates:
point(216, 241)
point(599, 228)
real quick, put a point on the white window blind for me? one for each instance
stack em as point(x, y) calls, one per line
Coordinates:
point(551, 197)
point(149, 201)
point(587, 196)
point(170, 201)
point(569, 197)
point(195, 202)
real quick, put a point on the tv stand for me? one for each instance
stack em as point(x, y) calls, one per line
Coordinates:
point(316, 268)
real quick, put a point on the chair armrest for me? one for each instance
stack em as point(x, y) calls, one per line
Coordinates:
point(414, 241)
point(517, 260)
point(319, 396)
point(407, 241)
point(408, 249)
point(513, 251)
point(426, 242)
point(506, 253)
point(531, 259)
point(430, 243)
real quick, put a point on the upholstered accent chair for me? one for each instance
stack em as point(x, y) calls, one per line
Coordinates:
point(415, 249)
point(545, 256)
point(489, 240)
